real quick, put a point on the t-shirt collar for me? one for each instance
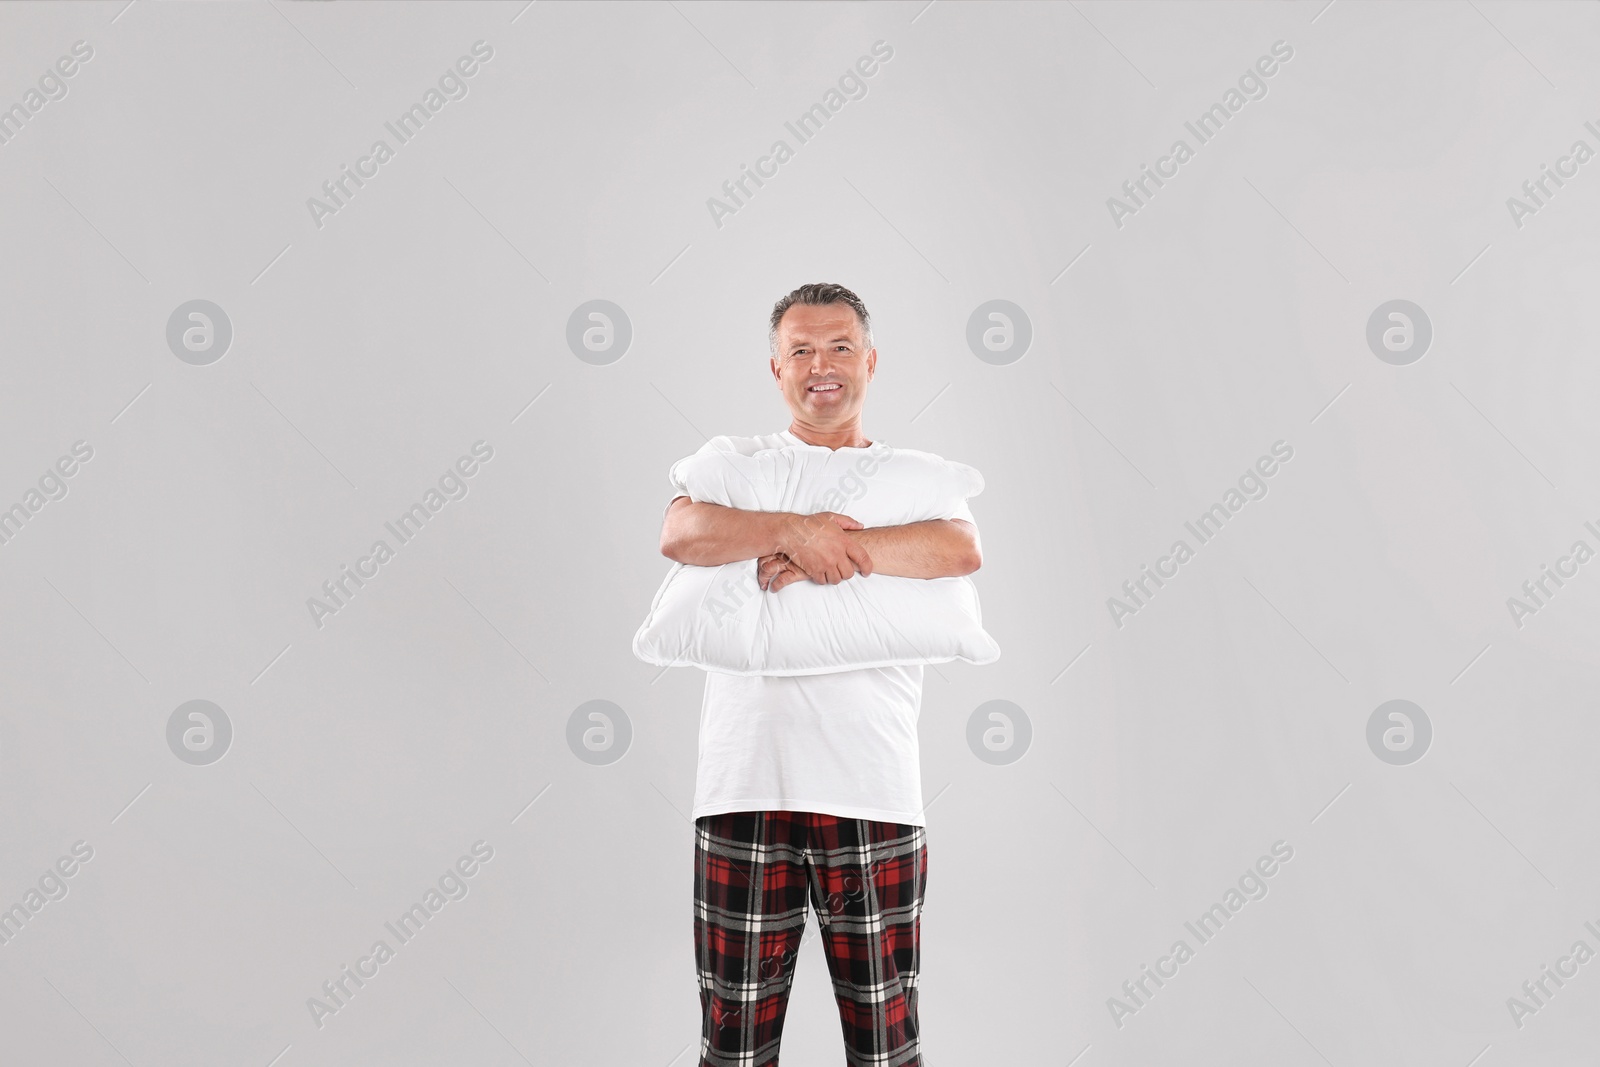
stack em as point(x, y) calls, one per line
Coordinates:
point(789, 436)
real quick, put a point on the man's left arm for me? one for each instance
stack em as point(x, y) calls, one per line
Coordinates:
point(936, 548)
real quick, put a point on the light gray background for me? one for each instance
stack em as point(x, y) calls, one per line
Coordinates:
point(1167, 754)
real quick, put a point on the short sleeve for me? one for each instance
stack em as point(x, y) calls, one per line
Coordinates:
point(963, 512)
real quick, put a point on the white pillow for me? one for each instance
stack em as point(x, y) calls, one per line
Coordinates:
point(719, 619)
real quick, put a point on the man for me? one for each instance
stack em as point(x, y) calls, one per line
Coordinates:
point(812, 783)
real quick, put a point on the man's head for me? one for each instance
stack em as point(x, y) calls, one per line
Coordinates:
point(822, 356)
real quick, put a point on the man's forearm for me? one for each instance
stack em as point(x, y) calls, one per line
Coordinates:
point(703, 534)
point(938, 548)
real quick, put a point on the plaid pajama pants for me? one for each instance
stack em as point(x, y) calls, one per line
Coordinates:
point(753, 873)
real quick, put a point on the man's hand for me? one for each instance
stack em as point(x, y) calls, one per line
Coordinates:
point(821, 549)
point(776, 571)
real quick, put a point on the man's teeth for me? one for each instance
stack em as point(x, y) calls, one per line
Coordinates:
point(824, 388)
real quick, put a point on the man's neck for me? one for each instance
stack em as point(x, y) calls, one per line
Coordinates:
point(845, 437)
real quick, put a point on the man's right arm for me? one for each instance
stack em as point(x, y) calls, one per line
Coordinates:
point(708, 535)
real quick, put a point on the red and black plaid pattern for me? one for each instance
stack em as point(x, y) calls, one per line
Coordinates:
point(753, 873)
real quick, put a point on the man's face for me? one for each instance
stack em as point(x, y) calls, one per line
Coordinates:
point(821, 364)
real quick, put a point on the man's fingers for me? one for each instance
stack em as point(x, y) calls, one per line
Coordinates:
point(845, 522)
point(775, 571)
point(860, 557)
point(786, 576)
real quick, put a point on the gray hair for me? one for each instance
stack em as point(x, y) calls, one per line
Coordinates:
point(819, 294)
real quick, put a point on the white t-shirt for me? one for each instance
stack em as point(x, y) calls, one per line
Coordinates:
point(842, 744)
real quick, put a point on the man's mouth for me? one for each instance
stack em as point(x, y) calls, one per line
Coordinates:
point(824, 387)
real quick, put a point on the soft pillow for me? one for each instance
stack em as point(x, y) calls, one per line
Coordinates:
point(719, 619)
